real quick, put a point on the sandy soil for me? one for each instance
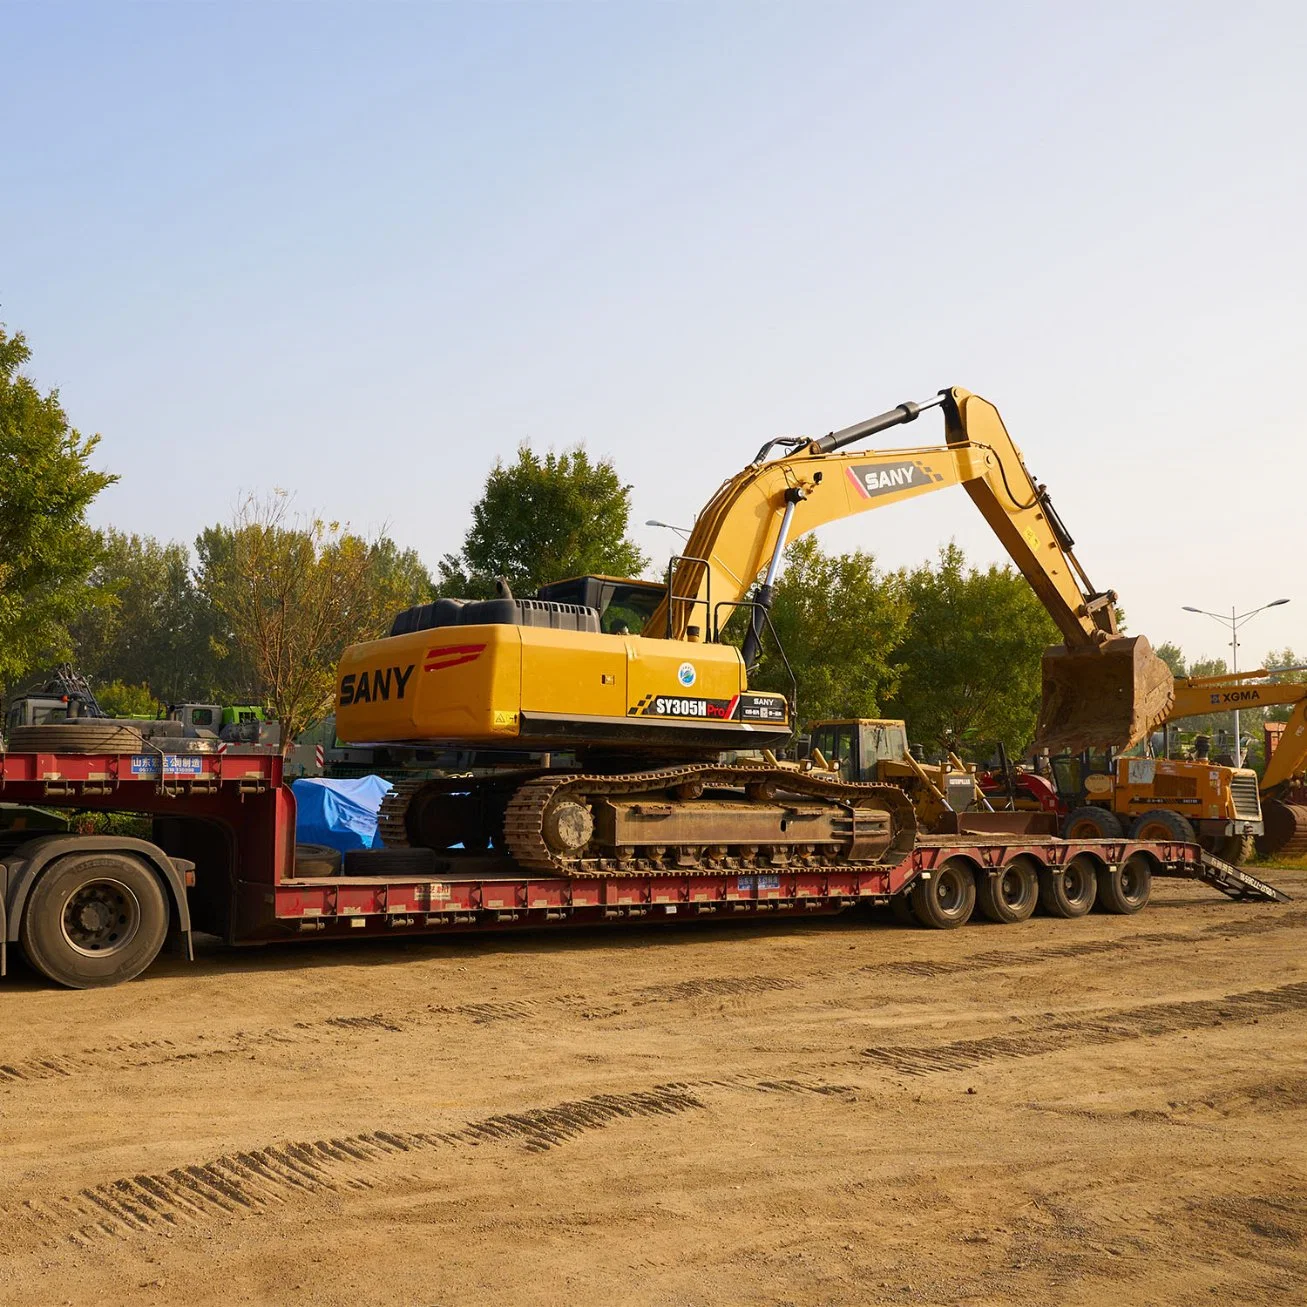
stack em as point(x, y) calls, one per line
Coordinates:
point(1103, 1111)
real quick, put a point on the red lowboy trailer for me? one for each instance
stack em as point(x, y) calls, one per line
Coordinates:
point(96, 909)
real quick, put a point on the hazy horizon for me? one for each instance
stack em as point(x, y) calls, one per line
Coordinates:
point(359, 252)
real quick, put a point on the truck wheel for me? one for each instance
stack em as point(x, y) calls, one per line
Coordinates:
point(945, 900)
point(1090, 823)
point(1163, 827)
point(1009, 895)
point(1126, 889)
point(94, 919)
point(1068, 891)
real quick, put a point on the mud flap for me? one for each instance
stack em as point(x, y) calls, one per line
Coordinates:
point(1111, 695)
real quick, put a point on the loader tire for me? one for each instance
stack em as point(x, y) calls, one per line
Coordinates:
point(1069, 891)
point(1091, 823)
point(1236, 849)
point(1163, 827)
point(75, 737)
point(947, 899)
point(1011, 894)
point(1126, 889)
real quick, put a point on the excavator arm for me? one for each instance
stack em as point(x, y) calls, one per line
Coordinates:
point(1099, 687)
point(1197, 696)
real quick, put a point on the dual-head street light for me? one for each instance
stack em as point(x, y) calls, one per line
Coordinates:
point(1234, 622)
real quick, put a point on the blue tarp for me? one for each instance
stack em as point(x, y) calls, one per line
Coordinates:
point(340, 814)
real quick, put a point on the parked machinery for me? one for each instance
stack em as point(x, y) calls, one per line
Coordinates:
point(648, 714)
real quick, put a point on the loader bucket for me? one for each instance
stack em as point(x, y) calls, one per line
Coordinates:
point(1111, 695)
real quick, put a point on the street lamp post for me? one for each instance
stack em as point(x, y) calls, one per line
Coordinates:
point(1234, 622)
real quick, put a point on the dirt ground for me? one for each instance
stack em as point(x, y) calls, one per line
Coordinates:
point(1111, 1110)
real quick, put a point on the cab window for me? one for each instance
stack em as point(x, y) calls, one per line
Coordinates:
point(837, 744)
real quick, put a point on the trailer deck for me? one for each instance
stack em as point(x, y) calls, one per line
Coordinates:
point(223, 845)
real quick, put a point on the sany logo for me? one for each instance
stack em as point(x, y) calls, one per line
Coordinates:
point(451, 655)
point(872, 480)
point(686, 674)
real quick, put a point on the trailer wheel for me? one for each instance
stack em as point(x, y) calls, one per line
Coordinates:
point(1009, 895)
point(1163, 826)
point(1126, 889)
point(945, 900)
point(1069, 891)
point(1090, 823)
point(94, 919)
point(900, 907)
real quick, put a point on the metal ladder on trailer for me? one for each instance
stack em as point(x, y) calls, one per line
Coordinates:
point(1236, 882)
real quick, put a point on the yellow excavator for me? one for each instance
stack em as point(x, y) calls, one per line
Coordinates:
point(1283, 788)
point(647, 714)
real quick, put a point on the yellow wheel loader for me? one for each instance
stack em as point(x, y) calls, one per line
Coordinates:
point(648, 713)
point(1282, 788)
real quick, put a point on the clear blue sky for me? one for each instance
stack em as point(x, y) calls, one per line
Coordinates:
point(357, 251)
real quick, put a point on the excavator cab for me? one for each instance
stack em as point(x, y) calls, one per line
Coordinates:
point(1117, 691)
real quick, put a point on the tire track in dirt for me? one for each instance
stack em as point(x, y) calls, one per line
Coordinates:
point(251, 1182)
point(140, 1054)
point(1110, 1027)
point(1002, 959)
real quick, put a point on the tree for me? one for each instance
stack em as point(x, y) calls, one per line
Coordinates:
point(839, 620)
point(1173, 656)
point(544, 519)
point(46, 548)
point(288, 593)
point(151, 628)
point(971, 657)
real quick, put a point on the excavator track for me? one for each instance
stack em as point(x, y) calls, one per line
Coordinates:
point(524, 819)
point(527, 798)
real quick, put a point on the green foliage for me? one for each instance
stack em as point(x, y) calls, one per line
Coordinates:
point(541, 520)
point(121, 700)
point(1173, 656)
point(1284, 658)
point(151, 628)
point(287, 594)
point(971, 657)
point(46, 548)
point(839, 620)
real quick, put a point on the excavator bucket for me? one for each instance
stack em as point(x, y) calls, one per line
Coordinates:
point(1112, 695)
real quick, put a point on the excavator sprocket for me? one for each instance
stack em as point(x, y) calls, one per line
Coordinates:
point(1286, 829)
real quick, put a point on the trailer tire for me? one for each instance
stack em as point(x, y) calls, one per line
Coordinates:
point(94, 919)
point(900, 907)
point(317, 860)
point(76, 737)
point(1126, 889)
point(947, 899)
point(1163, 826)
point(1010, 894)
point(390, 862)
point(1069, 891)
point(1091, 823)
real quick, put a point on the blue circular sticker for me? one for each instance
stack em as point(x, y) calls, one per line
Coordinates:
point(686, 674)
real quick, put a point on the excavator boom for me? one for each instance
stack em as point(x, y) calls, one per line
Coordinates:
point(1099, 688)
